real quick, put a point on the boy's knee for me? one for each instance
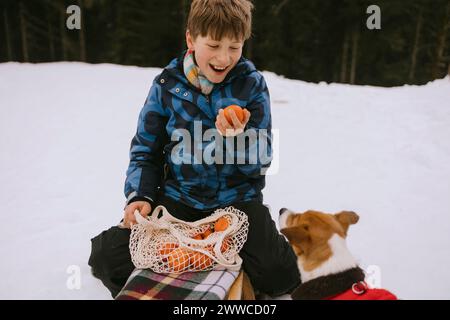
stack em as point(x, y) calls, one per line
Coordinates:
point(97, 259)
point(110, 253)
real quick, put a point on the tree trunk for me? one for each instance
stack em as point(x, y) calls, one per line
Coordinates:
point(439, 61)
point(51, 44)
point(82, 34)
point(344, 59)
point(23, 32)
point(62, 25)
point(249, 49)
point(277, 9)
point(354, 55)
point(8, 40)
point(183, 23)
point(412, 68)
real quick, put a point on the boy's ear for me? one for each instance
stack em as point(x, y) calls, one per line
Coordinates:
point(189, 40)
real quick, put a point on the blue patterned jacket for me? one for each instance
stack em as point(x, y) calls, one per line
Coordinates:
point(173, 104)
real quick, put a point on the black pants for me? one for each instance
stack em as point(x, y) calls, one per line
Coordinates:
point(268, 259)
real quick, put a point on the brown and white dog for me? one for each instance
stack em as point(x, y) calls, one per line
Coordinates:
point(327, 268)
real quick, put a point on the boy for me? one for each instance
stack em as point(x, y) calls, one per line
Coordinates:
point(190, 94)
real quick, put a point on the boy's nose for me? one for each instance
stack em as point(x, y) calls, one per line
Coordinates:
point(223, 59)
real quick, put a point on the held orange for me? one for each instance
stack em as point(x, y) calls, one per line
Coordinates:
point(237, 110)
point(221, 224)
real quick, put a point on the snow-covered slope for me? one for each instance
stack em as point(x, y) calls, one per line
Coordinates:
point(65, 130)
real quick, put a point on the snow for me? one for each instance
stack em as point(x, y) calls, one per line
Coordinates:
point(65, 131)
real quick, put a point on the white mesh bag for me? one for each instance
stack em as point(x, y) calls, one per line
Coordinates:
point(170, 245)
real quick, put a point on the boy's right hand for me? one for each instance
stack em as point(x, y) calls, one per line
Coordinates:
point(143, 207)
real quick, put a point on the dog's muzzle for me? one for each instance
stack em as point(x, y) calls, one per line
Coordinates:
point(284, 213)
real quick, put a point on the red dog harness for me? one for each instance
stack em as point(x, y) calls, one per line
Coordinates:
point(346, 285)
point(361, 291)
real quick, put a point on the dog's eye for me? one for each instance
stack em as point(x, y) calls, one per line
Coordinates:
point(305, 227)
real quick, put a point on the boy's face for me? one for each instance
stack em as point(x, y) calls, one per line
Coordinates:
point(215, 58)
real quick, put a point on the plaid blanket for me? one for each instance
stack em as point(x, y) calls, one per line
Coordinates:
point(144, 284)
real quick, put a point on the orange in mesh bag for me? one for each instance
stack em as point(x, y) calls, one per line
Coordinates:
point(169, 245)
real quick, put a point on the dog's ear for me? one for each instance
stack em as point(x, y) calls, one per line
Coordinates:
point(297, 234)
point(346, 218)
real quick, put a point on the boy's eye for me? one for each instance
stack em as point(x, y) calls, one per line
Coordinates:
point(213, 46)
point(234, 48)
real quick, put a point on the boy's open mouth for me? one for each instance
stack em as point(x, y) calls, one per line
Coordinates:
point(217, 69)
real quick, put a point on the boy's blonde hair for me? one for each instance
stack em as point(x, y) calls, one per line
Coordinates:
point(221, 18)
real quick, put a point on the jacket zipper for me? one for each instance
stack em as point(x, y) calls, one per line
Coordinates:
point(208, 100)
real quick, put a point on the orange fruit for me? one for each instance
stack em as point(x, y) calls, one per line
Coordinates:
point(200, 261)
point(167, 247)
point(221, 224)
point(237, 110)
point(198, 237)
point(206, 233)
point(178, 260)
point(224, 247)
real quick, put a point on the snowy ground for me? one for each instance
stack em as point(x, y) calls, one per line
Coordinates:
point(65, 130)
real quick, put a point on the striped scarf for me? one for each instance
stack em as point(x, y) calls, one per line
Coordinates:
point(194, 74)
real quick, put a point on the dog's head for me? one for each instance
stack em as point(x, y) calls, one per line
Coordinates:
point(309, 232)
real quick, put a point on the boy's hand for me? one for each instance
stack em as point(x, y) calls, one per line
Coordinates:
point(225, 128)
point(143, 207)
